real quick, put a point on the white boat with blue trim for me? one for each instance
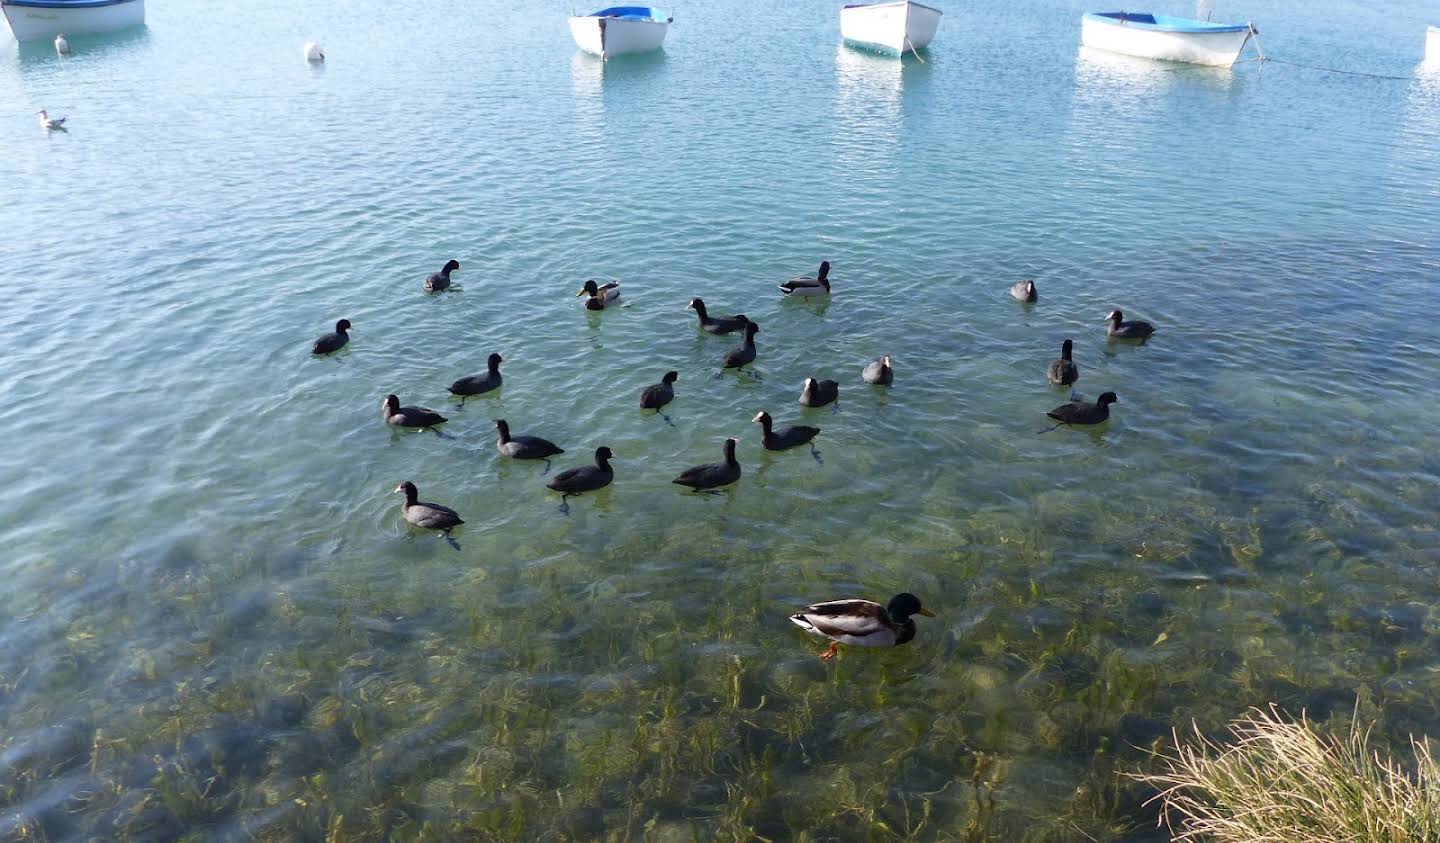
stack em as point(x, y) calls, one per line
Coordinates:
point(892, 28)
point(42, 20)
point(1165, 38)
point(620, 30)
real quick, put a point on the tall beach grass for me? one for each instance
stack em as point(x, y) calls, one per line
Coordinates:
point(1283, 780)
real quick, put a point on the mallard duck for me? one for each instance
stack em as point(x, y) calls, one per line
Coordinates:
point(1120, 329)
point(744, 355)
point(862, 623)
point(716, 324)
point(1025, 291)
point(819, 393)
point(713, 475)
point(313, 52)
point(785, 437)
point(1063, 372)
point(879, 372)
point(524, 447)
point(1083, 412)
point(806, 286)
point(479, 384)
point(585, 478)
point(333, 341)
point(657, 395)
point(601, 296)
point(427, 516)
point(416, 417)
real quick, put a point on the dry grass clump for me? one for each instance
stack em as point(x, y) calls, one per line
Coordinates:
point(1281, 780)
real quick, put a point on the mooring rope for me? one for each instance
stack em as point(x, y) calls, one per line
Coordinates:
point(1264, 58)
point(913, 51)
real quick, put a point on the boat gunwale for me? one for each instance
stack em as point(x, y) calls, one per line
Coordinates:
point(65, 4)
point(1194, 27)
point(600, 15)
point(890, 3)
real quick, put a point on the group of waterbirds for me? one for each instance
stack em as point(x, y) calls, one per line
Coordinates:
point(313, 52)
point(855, 622)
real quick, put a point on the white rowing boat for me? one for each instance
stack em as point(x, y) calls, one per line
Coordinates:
point(1165, 38)
point(889, 27)
point(43, 20)
point(620, 30)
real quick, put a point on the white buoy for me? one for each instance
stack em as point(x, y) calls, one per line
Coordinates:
point(48, 123)
point(61, 45)
point(314, 52)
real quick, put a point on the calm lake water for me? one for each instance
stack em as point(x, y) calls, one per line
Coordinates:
point(216, 626)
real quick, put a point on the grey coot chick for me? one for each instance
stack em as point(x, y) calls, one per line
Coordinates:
point(713, 475)
point(1025, 291)
point(427, 516)
point(879, 372)
point(785, 437)
point(585, 478)
point(819, 393)
point(479, 384)
point(657, 395)
point(806, 287)
point(333, 341)
point(524, 447)
point(717, 324)
point(441, 280)
point(737, 358)
point(1120, 329)
point(398, 416)
point(1063, 372)
point(1083, 412)
point(862, 623)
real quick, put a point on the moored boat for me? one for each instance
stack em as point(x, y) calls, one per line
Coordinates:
point(42, 20)
point(1165, 38)
point(1432, 45)
point(620, 30)
point(889, 27)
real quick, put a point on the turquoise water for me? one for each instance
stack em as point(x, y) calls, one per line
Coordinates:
point(215, 624)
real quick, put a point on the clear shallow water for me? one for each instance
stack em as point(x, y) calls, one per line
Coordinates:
point(215, 624)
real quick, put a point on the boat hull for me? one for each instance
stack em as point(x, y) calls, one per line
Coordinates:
point(1432, 45)
point(1216, 49)
point(608, 37)
point(891, 28)
point(43, 23)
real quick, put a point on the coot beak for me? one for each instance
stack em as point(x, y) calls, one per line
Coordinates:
point(926, 612)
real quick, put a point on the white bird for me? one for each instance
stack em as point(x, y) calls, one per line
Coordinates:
point(61, 45)
point(314, 52)
point(47, 122)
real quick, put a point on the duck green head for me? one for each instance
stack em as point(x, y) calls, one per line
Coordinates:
point(589, 287)
point(905, 604)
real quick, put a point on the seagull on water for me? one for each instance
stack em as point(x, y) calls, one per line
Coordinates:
point(314, 52)
point(61, 45)
point(49, 123)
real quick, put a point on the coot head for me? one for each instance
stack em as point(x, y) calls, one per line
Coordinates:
point(671, 377)
point(1106, 399)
